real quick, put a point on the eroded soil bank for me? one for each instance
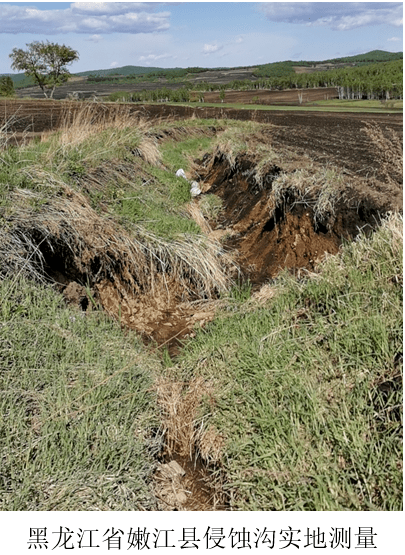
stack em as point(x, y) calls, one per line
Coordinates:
point(264, 227)
point(270, 234)
point(267, 230)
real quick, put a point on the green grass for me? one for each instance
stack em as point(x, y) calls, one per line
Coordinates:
point(360, 104)
point(78, 414)
point(297, 385)
point(131, 190)
point(179, 154)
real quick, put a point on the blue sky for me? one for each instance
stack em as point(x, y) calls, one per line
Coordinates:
point(206, 34)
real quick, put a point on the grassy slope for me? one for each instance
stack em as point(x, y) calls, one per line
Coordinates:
point(154, 197)
point(298, 399)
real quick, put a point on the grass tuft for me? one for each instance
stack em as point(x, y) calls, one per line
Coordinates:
point(320, 190)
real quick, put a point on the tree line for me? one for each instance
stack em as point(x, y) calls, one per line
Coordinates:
point(383, 80)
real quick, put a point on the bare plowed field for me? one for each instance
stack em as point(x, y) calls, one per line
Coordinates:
point(293, 97)
point(326, 137)
point(90, 89)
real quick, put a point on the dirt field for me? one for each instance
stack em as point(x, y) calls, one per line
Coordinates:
point(294, 97)
point(89, 90)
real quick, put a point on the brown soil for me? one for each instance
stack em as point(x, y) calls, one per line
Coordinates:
point(275, 98)
point(159, 316)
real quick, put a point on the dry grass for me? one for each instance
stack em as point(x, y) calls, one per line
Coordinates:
point(211, 445)
point(238, 138)
point(196, 213)
point(180, 404)
point(64, 225)
point(319, 189)
point(389, 151)
point(91, 119)
point(265, 293)
point(8, 138)
point(92, 122)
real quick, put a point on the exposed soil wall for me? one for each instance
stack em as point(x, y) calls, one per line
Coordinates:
point(270, 237)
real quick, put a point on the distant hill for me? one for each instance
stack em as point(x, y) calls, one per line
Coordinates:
point(370, 57)
point(281, 69)
point(125, 70)
point(20, 79)
point(270, 70)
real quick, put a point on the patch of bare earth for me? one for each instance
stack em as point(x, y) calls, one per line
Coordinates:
point(294, 97)
point(158, 315)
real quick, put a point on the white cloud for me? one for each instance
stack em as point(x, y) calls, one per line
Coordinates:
point(211, 48)
point(394, 39)
point(113, 64)
point(154, 57)
point(95, 38)
point(86, 17)
point(337, 15)
point(109, 8)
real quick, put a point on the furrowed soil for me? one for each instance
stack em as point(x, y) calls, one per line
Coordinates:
point(265, 236)
point(87, 89)
point(296, 97)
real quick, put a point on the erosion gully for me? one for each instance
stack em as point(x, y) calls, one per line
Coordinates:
point(264, 242)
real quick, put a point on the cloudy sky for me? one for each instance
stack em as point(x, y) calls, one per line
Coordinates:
point(206, 34)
